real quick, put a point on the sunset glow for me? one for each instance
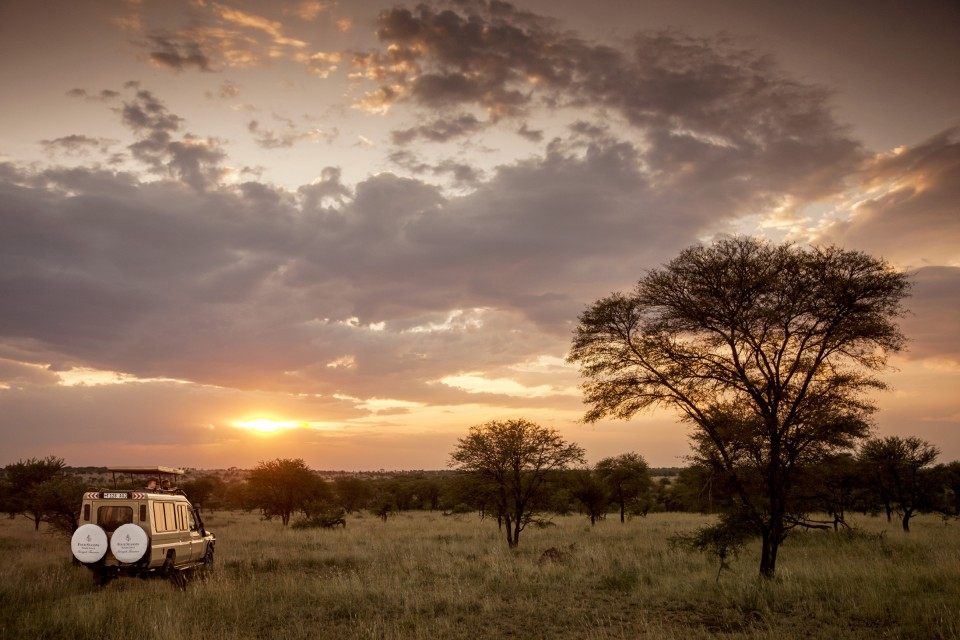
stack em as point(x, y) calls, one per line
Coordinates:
point(267, 425)
point(348, 232)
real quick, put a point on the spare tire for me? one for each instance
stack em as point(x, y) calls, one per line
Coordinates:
point(89, 543)
point(129, 542)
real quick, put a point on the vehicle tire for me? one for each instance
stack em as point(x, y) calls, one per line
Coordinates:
point(166, 569)
point(102, 578)
point(179, 579)
point(208, 557)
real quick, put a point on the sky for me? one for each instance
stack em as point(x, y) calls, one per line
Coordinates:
point(347, 231)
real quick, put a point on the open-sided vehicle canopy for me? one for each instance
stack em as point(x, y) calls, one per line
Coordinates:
point(155, 470)
point(161, 473)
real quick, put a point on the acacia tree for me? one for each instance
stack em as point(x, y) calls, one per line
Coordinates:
point(282, 486)
point(513, 459)
point(898, 465)
point(30, 486)
point(591, 492)
point(768, 350)
point(627, 477)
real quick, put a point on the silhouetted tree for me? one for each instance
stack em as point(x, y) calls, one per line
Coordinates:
point(23, 479)
point(627, 478)
point(591, 493)
point(513, 459)
point(59, 499)
point(899, 465)
point(205, 491)
point(352, 493)
point(765, 349)
point(946, 479)
point(282, 486)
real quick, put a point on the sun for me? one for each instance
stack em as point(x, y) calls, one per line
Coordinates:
point(266, 425)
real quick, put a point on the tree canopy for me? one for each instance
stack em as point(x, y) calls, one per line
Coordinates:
point(282, 486)
point(513, 458)
point(769, 350)
point(627, 478)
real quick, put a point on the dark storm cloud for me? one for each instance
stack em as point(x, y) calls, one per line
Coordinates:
point(440, 130)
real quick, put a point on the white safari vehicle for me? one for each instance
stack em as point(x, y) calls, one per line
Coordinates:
point(155, 530)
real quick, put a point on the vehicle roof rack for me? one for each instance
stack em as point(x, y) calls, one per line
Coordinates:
point(154, 470)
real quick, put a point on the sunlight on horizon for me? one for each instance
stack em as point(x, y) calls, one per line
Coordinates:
point(269, 426)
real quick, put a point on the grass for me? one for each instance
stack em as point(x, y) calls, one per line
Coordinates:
point(423, 575)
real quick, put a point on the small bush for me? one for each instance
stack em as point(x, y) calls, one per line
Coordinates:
point(722, 540)
point(323, 520)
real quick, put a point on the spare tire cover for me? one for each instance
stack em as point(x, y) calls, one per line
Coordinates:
point(129, 542)
point(89, 543)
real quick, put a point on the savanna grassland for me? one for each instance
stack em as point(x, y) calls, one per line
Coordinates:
point(424, 575)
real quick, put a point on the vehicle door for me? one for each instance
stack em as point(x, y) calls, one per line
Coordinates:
point(196, 540)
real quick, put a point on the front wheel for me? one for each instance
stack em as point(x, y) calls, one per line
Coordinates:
point(208, 557)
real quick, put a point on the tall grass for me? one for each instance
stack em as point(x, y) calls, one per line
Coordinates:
point(423, 575)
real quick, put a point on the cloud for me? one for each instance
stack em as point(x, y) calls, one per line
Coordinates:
point(462, 174)
point(194, 160)
point(272, 28)
point(440, 130)
point(288, 135)
point(218, 36)
point(703, 107)
point(76, 145)
point(104, 95)
point(533, 135)
point(932, 325)
point(907, 204)
point(308, 10)
point(178, 52)
point(225, 91)
point(382, 288)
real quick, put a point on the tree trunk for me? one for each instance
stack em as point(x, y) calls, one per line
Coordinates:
point(768, 555)
point(510, 541)
point(593, 519)
point(285, 518)
point(889, 510)
point(622, 510)
point(36, 521)
point(906, 520)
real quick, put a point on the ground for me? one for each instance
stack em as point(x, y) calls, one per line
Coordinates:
point(425, 575)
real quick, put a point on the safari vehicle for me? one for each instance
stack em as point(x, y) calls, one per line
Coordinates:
point(141, 532)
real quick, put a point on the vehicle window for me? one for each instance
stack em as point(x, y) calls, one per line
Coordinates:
point(169, 516)
point(183, 517)
point(157, 517)
point(192, 524)
point(159, 522)
point(112, 517)
point(143, 513)
point(86, 513)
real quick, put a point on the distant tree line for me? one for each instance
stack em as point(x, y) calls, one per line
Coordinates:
point(892, 477)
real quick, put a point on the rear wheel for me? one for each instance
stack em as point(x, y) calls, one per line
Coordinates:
point(102, 577)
